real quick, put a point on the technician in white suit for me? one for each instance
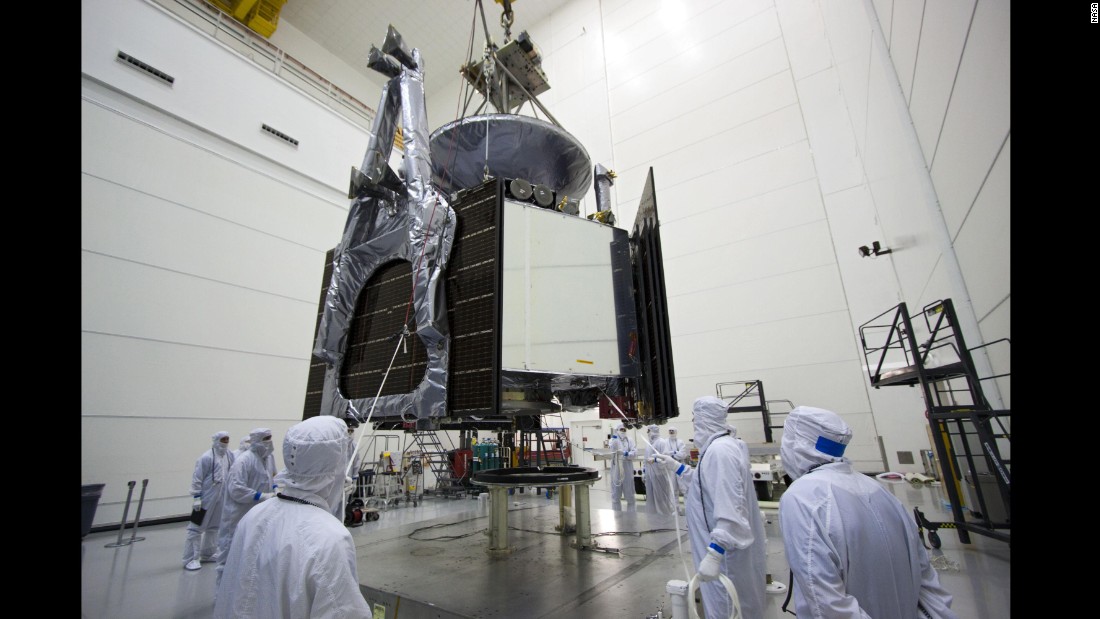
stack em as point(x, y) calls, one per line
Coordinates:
point(290, 557)
point(677, 448)
point(723, 518)
point(208, 492)
point(249, 483)
point(660, 495)
point(852, 546)
point(622, 469)
point(241, 448)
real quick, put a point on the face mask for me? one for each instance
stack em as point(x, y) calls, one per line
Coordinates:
point(220, 447)
point(265, 447)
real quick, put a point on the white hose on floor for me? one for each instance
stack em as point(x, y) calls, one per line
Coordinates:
point(676, 513)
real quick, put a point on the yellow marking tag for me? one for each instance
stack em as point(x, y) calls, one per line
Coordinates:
point(585, 361)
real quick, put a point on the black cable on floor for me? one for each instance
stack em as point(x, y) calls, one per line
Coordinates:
point(451, 524)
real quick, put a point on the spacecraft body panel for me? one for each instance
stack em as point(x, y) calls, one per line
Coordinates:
point(560, 313)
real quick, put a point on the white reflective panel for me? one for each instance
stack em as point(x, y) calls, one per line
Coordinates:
point(558, 295)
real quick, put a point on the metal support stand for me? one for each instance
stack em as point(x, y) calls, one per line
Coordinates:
point(137, 516)
point(500, 481)
point(125, 512)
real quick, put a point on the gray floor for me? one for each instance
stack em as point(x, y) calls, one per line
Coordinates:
point(409, 569)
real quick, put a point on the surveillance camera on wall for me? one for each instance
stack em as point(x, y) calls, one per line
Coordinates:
point(875, 249)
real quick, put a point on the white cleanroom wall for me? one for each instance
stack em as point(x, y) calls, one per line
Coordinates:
point(784, 134)
point(202, 249)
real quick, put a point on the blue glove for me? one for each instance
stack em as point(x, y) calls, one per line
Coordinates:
point(712, 563)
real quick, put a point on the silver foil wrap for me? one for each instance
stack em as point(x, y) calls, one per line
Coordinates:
point(602, 185)
point(417, 226)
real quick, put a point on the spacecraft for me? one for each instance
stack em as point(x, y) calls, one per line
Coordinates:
point(467, 290)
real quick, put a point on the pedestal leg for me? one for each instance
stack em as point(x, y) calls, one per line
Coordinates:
point(584, 527)
point(565, 510)
point(498, 520)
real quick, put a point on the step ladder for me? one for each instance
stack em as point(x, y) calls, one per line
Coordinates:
point(542, 447)
point(970, 437)
point(438, 459)
point(747, 396)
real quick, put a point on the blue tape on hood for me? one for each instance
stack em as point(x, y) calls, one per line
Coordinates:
point(827, 446)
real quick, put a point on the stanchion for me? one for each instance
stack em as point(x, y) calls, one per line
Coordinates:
point(125, 512)
point(137, 516)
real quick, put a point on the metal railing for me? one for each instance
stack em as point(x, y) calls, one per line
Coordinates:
point(250, 44)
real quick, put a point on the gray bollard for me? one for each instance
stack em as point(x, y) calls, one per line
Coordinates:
point(137, 516)
point(125, 512)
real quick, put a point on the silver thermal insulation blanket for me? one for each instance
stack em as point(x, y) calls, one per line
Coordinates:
point(393, 219)
point(603, 188)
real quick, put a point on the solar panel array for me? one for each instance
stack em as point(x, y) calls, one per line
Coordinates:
point(473, 302)
point(315, 382)
point(384, 305)
point(658, 384)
